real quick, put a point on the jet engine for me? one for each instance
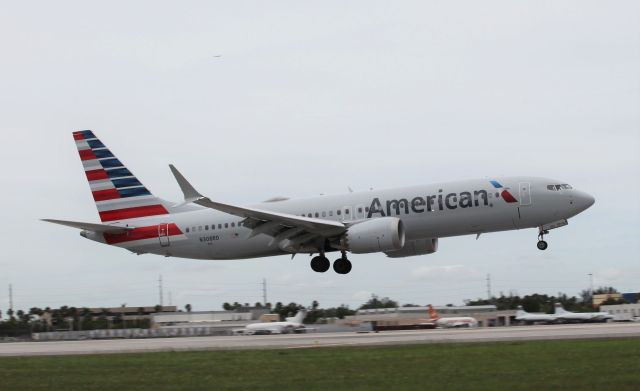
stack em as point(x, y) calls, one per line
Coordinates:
point(370, 236)
point(415, 247)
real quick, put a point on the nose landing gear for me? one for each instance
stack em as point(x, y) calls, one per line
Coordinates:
point(542, 245)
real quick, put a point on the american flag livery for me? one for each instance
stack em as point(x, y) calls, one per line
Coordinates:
point(118, 194)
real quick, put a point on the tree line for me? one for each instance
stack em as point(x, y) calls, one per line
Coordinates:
point(19, 323)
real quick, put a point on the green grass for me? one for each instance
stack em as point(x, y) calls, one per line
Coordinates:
point(570, 365)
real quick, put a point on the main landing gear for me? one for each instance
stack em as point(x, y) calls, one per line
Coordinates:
point(542, 245)
point(321, 264)
point(342, 264)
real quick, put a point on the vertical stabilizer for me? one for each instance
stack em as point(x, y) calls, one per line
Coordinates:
point(559, 309)
point(298, 318)
point(433, 314)
point(118, 194)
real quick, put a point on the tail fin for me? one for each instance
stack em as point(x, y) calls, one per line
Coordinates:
point(559, 309)
point(298, 318)
point(118, 194)
point(433, 314)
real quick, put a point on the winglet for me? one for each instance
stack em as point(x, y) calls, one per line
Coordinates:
point(190, 193)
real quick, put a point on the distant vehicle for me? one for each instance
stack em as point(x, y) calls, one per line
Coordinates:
point(454, 321)
point(531, 318)
point(400, 222)
point(562, 315)
point(291, 324)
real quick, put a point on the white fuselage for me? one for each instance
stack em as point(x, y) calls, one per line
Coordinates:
point(582, 316)
point(458, 321)
point(427, 211)
point(273, 327)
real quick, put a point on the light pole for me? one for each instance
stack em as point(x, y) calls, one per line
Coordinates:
point(591, 287)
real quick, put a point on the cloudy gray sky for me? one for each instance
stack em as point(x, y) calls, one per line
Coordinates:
point(309, 98)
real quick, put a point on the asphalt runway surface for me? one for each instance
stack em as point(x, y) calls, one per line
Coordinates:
point(520, 333)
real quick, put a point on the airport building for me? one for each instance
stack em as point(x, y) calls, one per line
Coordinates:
point(487, 315)
point(207, 318)
point(623, 312)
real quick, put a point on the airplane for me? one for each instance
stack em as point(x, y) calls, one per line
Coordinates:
point(562, 315)
point(399, 222)
point(531, 318)
point(454, 321)
point(291, 324)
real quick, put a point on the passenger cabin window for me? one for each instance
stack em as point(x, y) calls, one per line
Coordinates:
point(346, 211)
point(219, 226)
point(233, 224)
point(187, 229)
point(200, 228)
point(317, 215)
point(226, 225)
point(324, 214)
point(339, 212)
point(330, 213)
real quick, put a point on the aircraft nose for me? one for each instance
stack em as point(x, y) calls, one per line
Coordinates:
point(583, 200)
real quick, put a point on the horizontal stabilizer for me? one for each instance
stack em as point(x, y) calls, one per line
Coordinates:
point(100, 228)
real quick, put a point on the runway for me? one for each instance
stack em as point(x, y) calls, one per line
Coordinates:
point(523, 333)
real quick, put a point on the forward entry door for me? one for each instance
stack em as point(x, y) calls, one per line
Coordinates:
point(525, 193)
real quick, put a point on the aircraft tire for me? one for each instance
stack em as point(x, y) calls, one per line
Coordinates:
point(542, 245)
point(320, 264)
point(342, 266)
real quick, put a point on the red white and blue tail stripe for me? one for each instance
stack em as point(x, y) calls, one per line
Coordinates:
point(118, 194)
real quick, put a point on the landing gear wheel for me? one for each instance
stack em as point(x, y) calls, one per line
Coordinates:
point(320, 264)
point(542, 245)
point(342, 266)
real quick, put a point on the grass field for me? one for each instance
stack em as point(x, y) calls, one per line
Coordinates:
point(546, 365)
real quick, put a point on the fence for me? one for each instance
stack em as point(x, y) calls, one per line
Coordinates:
point(129, 333)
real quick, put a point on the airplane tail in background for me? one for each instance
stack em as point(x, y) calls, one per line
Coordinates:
point(433, 314)
point(521, 312)
point(118, 194)
point(559, 309)
point(298, 318)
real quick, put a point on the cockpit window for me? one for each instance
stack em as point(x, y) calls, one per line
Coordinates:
point(559, 187)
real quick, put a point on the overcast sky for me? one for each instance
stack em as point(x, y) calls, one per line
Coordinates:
point(309, 98)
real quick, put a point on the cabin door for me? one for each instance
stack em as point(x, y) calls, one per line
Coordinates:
point(163, 235)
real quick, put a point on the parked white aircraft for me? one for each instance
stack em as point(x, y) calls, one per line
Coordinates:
point(562, 315)
point(399, 222)
point(290, 325)
point(531, 318)
point(453, 321)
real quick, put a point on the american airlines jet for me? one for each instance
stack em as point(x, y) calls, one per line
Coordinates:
point(400, 222)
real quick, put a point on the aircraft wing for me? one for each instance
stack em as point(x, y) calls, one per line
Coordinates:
point(100, 228)
point(297, 230)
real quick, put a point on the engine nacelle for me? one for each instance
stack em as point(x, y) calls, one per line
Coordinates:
point(415, 247)
point(370, 236)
